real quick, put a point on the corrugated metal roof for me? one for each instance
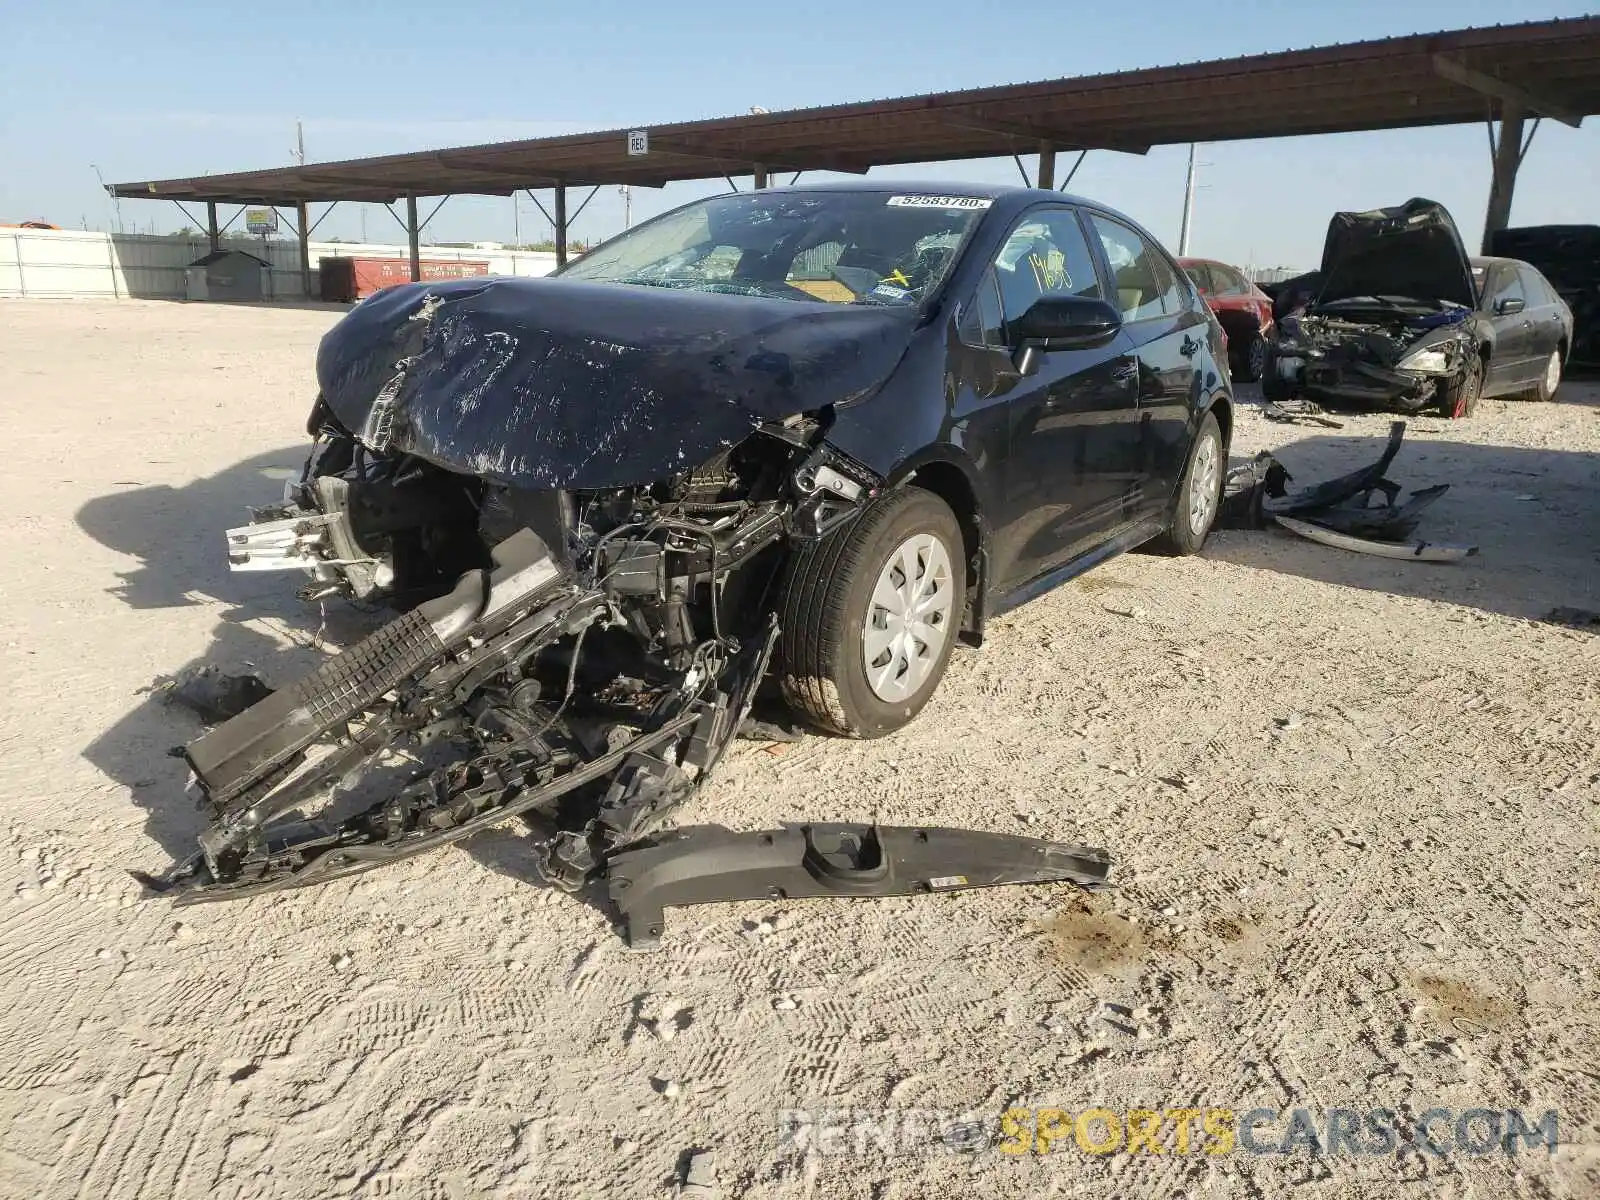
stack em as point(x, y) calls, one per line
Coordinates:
point(1391, 83)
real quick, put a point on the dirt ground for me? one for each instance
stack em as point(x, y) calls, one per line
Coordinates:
point(1352, 804)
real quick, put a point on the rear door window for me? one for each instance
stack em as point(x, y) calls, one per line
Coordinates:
point(1533, 286)
point(1146, 285)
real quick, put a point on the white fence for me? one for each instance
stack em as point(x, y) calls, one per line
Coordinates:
point(69, 263)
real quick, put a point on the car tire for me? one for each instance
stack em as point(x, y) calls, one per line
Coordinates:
point(1459, 397)
point(1549, 380)
point(1274, 389)
point(1199, 495)
point(1252, 359)
point(848, 663)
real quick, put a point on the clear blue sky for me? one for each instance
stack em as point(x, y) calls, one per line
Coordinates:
point(158, 90)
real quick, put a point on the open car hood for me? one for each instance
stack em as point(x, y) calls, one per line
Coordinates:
point(552, 383)
point(1411, 250)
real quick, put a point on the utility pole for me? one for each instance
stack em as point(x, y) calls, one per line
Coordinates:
point(627, 206)
point(1188, 205)
point(116, 200)
point(299, 144)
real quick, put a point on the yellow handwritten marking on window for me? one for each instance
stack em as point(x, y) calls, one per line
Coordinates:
point(897, 276)
point(1050, 271)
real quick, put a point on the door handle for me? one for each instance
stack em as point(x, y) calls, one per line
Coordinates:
point(1188, 346)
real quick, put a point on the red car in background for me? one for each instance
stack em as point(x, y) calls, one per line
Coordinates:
point(1243, 309)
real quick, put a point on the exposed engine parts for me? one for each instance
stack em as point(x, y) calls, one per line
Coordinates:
point(1406, 360)
point(586, 672)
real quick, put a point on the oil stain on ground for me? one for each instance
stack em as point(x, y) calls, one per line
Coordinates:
point(1093, 942)
point(1451, 1001)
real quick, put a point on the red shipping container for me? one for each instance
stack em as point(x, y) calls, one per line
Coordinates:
point(375, 274)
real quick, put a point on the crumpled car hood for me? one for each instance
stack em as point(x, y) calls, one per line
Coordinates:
point(551, 383)
point(1412, 250)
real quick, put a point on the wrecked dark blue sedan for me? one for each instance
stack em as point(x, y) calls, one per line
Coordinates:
point(805, 435)
point(883, 412)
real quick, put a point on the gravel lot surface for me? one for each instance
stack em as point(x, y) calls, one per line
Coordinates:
point(1352, 803)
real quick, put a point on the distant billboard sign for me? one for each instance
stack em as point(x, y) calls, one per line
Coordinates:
point(261, 221)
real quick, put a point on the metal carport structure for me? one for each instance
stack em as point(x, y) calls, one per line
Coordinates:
point(1507, 73)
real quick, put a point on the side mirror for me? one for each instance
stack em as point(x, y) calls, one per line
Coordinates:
point(1061, 323)
point(1511, 304)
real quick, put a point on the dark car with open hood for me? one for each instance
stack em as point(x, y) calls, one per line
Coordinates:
point(1398, 316)
point(818, 434)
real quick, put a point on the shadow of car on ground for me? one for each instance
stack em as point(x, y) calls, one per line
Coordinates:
point(263, 627)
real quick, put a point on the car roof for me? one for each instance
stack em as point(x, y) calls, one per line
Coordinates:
point(937, 187)
point(1186, 260)
point(1486, 260)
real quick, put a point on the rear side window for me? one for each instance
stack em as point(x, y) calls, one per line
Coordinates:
point(1534, 285)
point(1200, 273)
point(1146, 286)
point(1230, 282)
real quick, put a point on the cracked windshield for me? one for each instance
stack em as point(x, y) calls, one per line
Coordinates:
point(834, 247)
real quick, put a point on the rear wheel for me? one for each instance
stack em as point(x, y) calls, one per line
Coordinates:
point(1458, 396)
point(869, 616)
point(1194, 508)
point(1273, 387)
point(1549, 381)
point(1252, 359)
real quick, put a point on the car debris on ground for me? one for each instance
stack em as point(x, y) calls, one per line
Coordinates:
point(699, 1176)
point(1298, 408)
point(1340, 512)
point(709, 864)
point(594, 769)
point(211, 694)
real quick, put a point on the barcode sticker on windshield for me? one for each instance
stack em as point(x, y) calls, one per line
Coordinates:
point(939, 202)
